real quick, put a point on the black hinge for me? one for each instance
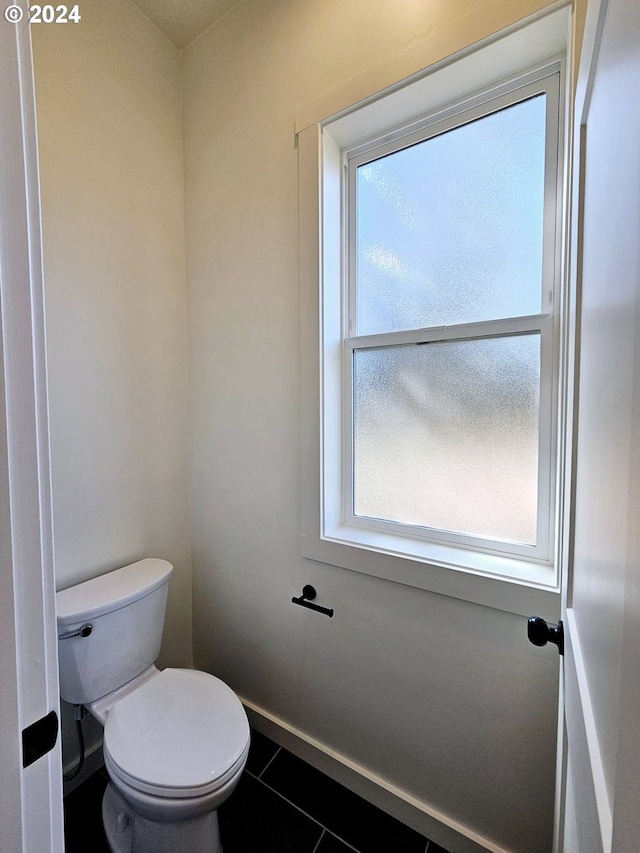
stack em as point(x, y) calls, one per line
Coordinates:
point(39, 738)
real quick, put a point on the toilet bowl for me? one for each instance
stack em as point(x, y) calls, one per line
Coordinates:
point(175, 747)
point(175, 741)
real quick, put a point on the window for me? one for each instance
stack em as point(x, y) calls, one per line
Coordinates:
point(431, 217)
point(449, 329)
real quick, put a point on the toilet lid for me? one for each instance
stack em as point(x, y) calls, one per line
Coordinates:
point(182, 729)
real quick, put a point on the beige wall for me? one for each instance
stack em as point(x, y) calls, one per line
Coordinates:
point(442, 698)
point(109, 107)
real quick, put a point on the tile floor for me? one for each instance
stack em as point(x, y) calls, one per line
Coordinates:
point(282, 805)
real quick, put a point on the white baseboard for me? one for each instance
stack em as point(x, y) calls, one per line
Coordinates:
point(425, 819)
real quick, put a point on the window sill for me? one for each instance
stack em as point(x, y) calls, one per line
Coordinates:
point(503, 583)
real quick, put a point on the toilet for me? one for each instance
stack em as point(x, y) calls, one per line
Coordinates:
point(175, 740)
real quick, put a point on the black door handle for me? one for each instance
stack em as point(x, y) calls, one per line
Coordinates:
point(540, 633)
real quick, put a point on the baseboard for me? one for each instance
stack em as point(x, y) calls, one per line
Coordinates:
point(425, 819)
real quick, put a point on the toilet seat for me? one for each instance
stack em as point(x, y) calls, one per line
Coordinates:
point(181, 734)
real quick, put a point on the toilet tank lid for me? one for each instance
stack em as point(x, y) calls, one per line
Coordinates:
point(110, 591)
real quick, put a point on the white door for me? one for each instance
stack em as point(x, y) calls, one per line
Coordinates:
point(30, 782)
point(601, 611)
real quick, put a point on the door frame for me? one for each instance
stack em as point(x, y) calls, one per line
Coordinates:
point(30, 797)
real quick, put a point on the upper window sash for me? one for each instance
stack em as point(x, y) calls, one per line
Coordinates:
point(545, 81)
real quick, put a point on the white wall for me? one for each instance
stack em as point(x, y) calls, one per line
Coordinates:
point(109, 107)
point(442, 698)
point(110, 137)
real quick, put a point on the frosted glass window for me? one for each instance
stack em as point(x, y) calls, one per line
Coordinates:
point(446, 435)
point(449, 230)
point(438, 404)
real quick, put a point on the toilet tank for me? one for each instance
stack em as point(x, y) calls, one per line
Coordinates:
point(125, 609)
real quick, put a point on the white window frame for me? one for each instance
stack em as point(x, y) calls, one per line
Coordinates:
point(326, 129)
point(544, 81)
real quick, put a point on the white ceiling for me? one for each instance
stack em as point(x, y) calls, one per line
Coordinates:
point(183, 20)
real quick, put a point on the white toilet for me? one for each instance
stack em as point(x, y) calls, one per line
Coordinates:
point(175, 741)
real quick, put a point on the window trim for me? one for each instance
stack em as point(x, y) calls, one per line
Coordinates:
point(487, 579)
